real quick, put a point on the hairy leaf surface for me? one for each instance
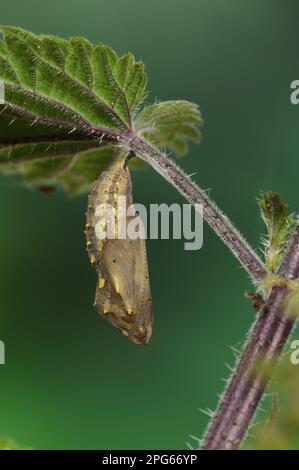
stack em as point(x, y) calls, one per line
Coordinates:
point(68, 108)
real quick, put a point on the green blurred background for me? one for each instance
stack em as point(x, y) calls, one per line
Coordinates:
point(71, 381)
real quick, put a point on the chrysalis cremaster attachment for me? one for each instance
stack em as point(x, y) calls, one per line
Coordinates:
point(123, 295)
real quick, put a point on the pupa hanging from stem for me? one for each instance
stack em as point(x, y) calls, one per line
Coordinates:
point(123, 295)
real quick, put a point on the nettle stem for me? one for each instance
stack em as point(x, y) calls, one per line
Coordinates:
point(271, 329)
point(212, 214)
point(249, 380)
point(260, 355)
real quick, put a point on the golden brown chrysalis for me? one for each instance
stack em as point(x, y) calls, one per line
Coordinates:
point(123, 295)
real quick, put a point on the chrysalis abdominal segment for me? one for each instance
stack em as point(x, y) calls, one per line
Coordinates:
point(123, 295)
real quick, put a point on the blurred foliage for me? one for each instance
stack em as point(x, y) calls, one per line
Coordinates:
point(6, 443)
point(278, 428)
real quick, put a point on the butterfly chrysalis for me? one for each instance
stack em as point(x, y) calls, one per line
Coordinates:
point(123, 295)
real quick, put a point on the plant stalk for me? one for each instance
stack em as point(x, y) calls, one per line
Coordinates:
point(251, 376)
point(211, 213)
point(272, 327)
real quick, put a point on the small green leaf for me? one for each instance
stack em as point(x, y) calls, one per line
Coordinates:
point(171, 124)
point(280, 225)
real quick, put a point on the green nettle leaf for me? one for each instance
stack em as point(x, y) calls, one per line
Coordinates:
point(170, 124)
point(68, 109)
point(280, 225)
